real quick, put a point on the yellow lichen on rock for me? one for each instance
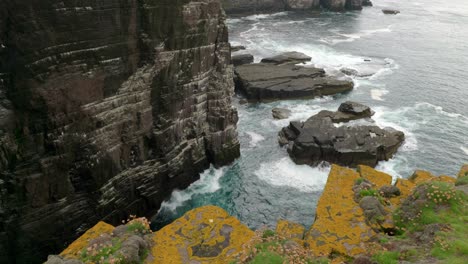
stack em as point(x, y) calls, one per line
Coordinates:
point(421, 176)
point(340, 225)
point(73, 251)
point(290, 230)
point(406, 188)
point(204, 235)
point(378, 178)
point(463, 171)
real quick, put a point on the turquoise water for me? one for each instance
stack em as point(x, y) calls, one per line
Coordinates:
point(418, 84)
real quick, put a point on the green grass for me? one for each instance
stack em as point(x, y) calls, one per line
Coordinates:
point(101, 255)
point(136, 227)
point(388, 257)
point(370, 192)
point(359, 181)
point(267, 257)
point(462, 180)
point(268, 233)
point(445, 205)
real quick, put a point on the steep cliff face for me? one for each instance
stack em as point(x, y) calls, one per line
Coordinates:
point(244, 7)
point(105, 108)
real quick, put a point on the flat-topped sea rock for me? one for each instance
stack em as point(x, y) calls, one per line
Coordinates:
point(242, 59)
point(292, 57)
point(390, 11)
point(267, 81)
point(318, 139)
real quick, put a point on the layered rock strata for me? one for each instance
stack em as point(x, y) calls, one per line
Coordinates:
point(319, 139)
point(247, 7)
point(105, 108)
point(277, 78)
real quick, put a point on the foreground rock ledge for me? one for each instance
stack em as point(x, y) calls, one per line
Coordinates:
point(347, 225)
point(318, 139)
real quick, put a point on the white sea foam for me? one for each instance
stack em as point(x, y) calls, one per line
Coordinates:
point(464, 150)
point(264, 16)
point(208, 183)
point(353, 37)
point(396, 119)
point(377, 94)
point(285, 172)
point(255, 138)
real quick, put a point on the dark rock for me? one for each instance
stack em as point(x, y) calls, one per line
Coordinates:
point(389, 191)
point(133, 249)
point(248, 7)
point(241, 59)
point(390, 11)
point(292, 57)
point(429, 232)
point(265, 81)
point(349, 71)
point(346, 112)
point(353, 5)
point(356, 109)
point(280, 113)
point(363, 260)
point(116, 104)
point(53, 259)
point(372, 208)
point(367, 3)
point(237, 48)
point(318, 140)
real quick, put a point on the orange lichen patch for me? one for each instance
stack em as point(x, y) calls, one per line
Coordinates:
point(290, 230)
point(204, 235)
point(463, 171)
point(340, 225)
point(421, 176)
point(73, 251)
point(445, 178)
point(376, 177)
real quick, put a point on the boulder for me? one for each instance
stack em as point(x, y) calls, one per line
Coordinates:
point(318, 139)
point(280, 113)
point(267, 81)
point(292, 57)
point(349, 71)
point(242, 59)
point(346, 112)
point(237, 48)
point(367, 3)
point(390, 11)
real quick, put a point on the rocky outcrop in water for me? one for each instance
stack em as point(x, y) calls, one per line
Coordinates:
point(247, 7)
point(105, 108)
point(277, 78)
point(318, 139)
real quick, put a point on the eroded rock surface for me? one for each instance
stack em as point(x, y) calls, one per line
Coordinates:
point(204, 235)
point(318, 139)
point(267, 81)
point(292, 57)
point(115, 104)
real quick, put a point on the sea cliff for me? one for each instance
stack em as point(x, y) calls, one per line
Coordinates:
point(105, 108)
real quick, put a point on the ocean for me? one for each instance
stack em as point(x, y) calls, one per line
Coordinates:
point(416, 81)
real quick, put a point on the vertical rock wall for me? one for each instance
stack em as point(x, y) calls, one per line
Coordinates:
point(105, 108)
point(246, 7)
